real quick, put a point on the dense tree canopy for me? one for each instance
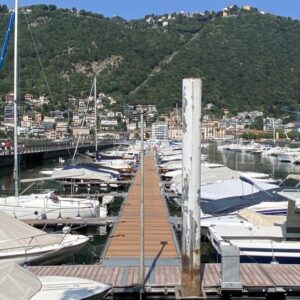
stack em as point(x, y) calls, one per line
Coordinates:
point(247, 60)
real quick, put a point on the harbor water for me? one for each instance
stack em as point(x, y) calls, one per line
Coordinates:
point(92, 252)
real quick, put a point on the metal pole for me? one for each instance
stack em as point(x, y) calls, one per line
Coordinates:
point(95, 95)
point(274, 135)
point(16, 162)
point(142, 209)
point(191, 184)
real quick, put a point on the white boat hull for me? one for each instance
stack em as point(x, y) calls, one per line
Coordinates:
point(50, 206)
point(37, 255)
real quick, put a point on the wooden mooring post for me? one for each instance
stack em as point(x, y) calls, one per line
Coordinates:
point(191, 177)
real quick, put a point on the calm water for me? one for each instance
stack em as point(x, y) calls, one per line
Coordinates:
point(92, 252)
point(250, 162)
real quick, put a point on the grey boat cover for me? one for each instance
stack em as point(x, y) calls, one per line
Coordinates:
point(16, 234)
point(210, 175)
point(16, 283)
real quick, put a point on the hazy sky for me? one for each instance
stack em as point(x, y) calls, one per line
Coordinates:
point(134, 9)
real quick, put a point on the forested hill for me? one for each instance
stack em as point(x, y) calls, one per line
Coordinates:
point(248, 60)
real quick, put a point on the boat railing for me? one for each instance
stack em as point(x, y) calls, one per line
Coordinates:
point(291, 191)
point(28, 246)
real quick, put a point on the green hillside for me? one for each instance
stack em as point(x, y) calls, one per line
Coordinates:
point(247, 60)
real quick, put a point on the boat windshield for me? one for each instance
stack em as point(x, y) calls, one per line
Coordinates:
point(54, 197)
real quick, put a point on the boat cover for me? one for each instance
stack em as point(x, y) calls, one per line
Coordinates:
point(293, 176)
point(16, 234)
point(233, 188)
point(209, 175)
point(17, 283)
point(258, 219)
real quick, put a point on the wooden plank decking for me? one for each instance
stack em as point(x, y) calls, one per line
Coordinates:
point(125, 239)
point(252, 275)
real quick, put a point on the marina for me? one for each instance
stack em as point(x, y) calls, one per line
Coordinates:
point(123, 243)
point(110, 200)
point(119, 265)
point(258, 281)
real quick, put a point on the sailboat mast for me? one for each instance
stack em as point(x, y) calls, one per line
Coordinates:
point(16, 162)
point(95, 96)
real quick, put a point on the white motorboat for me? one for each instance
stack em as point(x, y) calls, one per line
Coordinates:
point(121, 165)
point(289, 156)
point(230, 195)
point(271, 207)
point(32, 206)
point(170, 166)
point(24, 244)
point(50, 205)
point(226, 191)
point(173, 157)
point(262, 177)
point(171, 174)
point(261, 239)
point(86, 172)
point(247, 216)
point(49, 172)
point(20, 284)
point(119, 154)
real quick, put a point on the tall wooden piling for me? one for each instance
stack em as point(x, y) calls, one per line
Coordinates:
point(191, 173)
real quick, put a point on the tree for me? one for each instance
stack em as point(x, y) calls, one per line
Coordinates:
point(258, 123)
point(3, 9)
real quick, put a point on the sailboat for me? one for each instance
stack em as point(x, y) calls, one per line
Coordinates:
point(19, 242)
point(48, 204)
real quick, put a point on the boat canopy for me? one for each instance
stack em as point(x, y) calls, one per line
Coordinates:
point(17, 283)
point(16, 234)
point(293, 176)
point(234, 188)
point(258, 219)
point(210, 175)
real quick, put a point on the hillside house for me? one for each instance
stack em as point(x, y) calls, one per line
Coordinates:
point(9, 98)
point(27, 121)
point(61, 129)
point(81, 132)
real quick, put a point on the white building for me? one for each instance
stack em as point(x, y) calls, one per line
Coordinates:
point(109, 122)
point(131, 126)
point(159, 131)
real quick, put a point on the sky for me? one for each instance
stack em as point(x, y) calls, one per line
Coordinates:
point(135, 9)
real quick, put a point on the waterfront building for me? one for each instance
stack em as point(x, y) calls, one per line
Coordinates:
point(175, 133)
point(128, 109)
point(50, 134)
point(38, 131)
point(9, 114)
point(107, 124)
point(131, 126)
point(9, 98)
point(159, 130)
point(81, 131)
point(212, 130)
point(61, 129)
point(27, 121)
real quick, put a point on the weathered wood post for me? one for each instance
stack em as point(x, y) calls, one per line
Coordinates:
point(142, 236)
point(191, 181)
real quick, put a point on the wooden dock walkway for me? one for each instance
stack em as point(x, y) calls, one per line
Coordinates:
point(124, 242)
point(255, 278)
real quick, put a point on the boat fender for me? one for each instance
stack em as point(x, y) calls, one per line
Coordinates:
point(66, 229)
